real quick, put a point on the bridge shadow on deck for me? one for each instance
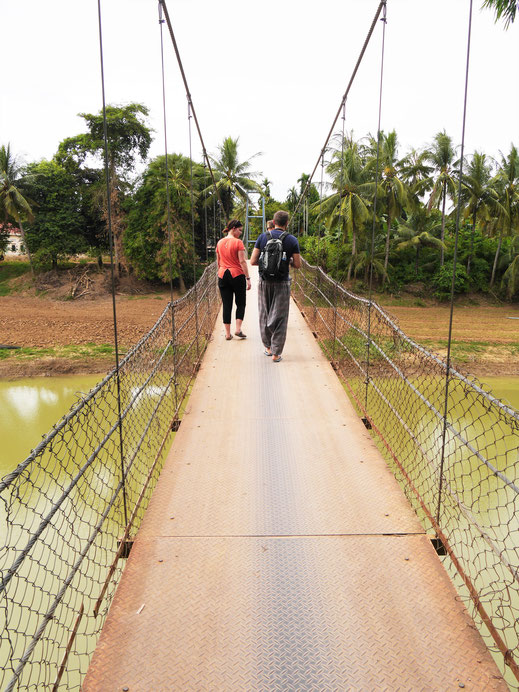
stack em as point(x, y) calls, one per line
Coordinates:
point(278, 552)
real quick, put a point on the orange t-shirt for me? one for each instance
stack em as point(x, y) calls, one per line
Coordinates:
point(227, 251)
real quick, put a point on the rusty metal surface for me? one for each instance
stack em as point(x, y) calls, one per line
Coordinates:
point(278, 553)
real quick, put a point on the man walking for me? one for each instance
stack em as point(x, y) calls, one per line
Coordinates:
point(274, 286)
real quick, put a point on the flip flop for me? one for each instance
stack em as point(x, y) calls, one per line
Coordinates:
point(240, 335)
point(276, 359)
point(267, 353)
point(228, 338)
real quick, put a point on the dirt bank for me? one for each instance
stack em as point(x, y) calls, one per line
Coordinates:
point(51, 332)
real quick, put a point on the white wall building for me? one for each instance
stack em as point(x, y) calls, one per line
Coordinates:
point(15, 244)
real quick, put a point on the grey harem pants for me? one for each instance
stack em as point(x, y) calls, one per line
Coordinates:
point(273, 305)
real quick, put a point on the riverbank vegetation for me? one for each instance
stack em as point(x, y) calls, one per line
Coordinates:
point(406, 241)
point(381, 216)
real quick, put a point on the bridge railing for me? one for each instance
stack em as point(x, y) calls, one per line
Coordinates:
point(68, 512)
point(459, 470)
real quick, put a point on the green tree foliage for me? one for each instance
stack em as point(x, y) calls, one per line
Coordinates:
point(420, 231)
point(504, 9)
point(441, 157)
point(146, 240)
point(348, 208)
point(56, 230)
point(510, 280)
point(479, 197)
point(234, 179)
point(507, 188)
point(396, 195)
point(417, 208)
point(128, 139)
point(13, 204)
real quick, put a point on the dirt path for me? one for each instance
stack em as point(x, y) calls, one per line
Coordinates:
point(39, 323)
point(469, 323)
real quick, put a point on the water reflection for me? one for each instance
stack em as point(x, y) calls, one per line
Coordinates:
point(30, 408)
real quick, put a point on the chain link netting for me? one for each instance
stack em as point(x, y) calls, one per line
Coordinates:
point(451, 444)
point(69, 512)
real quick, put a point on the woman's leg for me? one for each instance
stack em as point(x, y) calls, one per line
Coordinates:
point(226, 291)
point(240, 293)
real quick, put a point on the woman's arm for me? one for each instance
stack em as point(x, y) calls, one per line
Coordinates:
point(243, 265)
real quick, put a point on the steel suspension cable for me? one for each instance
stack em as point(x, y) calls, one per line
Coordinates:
point(190, 102)
point(454, 262)
point(343, 100)
point(320, 208)
point(191, 195)
point(375, 201)
point(339, 234)
point(111, 244)
point(168, 207)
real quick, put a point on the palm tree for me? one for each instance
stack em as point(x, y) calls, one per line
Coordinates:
point(505, 9)
point(416, 174)
point(419, 232)
point(441, 156)
point(479, 196)
point(352, 200)
point(396, 198)
point(507, 188)
point(234, 179)
point(12, 203)
point(266, 183)
point(511, 276)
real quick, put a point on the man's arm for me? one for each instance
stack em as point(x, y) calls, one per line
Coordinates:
point(296, 260)
point(255, 256)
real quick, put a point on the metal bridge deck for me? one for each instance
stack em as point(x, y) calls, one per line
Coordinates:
point(278, 552)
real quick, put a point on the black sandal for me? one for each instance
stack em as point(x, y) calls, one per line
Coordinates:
point(240, 335)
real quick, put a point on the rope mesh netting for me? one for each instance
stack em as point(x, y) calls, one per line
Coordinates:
point(400, 389)
point(62, 515)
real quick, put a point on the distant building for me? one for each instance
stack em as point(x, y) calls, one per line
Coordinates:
point(15, 244)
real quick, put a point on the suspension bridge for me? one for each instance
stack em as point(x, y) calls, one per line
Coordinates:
point(206, 519)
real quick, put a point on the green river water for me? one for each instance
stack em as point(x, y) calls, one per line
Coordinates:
point(30, 407)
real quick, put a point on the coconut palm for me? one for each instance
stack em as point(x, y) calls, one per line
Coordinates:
point(505, 9)
point(478, 196)
point(351, 202)
point(396, 198)
point(416, 173)
point(418, 232)
point(12, 203)
point(510, 279)
point(233, 179)
point(507, 188)
point(441, 156)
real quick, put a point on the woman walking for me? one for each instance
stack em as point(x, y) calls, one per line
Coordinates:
point(233, 276)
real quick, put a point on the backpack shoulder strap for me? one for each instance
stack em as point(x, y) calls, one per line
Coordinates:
point(283, 236)
point(268, 235)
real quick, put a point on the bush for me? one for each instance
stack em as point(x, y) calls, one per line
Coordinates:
point(442, 281)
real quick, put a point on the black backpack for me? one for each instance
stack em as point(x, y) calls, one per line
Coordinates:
point(272, 261)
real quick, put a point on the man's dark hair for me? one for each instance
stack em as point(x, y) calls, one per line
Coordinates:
point(281, 218)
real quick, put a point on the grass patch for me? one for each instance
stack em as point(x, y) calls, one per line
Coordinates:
point(70, 351)
point(465, 351)
point(8, 271)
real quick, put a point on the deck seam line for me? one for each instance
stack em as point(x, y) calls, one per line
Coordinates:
point(294, 535)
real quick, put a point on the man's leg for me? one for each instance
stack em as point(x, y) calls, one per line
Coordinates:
point(278, 316)
point(263, 310)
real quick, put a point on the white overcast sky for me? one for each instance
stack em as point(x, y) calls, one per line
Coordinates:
point(271, 72)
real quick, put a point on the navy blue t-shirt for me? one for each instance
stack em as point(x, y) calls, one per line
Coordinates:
point(290, 246)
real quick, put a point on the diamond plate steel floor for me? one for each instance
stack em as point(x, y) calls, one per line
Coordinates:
point(278, 552)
